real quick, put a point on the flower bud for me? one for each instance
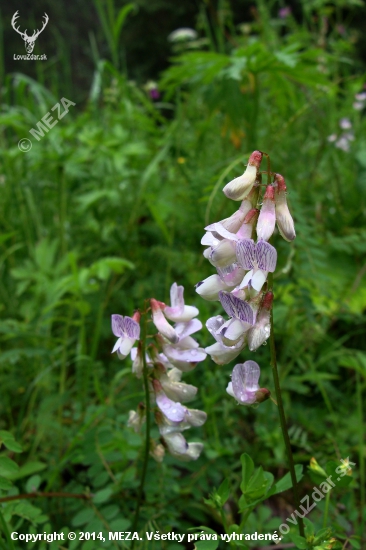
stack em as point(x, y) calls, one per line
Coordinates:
point(285, 223)
point(262, 395)
point(239, 188)
point(267, 215)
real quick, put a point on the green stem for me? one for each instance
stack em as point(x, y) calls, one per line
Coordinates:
point(359, 385)
point(281, 411)
point(327, 500)
point(142, 346)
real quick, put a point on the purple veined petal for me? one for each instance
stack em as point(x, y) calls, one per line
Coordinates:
point(245, 253)
point(266, 256)
point(117, 325)
point(131, 328)
point(188, 355)
point(172, 410)
point(209, 240)
point(235, 307)
point(186, 329)
point(214, 324)
point(220, 230)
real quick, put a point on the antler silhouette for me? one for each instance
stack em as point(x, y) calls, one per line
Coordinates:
point(44, 24)
point(13, 21)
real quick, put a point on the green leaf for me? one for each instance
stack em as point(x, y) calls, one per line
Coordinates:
point(82, 517)
point(247, 470)
point(103, 495)
point(299, 541)
point(224, 491)
point(5, 484)
point(257, 485)
point(28, 469)
point(8, 440)
point(286, 483)
point(309, 528)
point(8, 468)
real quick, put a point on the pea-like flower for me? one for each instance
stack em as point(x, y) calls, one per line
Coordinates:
point(127, 330)
point(244, 385)
point(259, 259)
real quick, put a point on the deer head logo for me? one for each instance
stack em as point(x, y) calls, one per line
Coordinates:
point(29, 41)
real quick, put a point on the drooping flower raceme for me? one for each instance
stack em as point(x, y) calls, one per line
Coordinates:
point(174, 352)
point(242, 265)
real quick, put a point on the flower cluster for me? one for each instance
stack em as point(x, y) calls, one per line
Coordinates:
point(174, 352)
point(242, 266)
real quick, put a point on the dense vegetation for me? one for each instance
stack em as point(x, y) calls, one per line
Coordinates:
point(108, 209)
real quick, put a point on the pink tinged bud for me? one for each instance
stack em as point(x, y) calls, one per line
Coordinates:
point(267, 215)
point(175, 412)
point(223, 254)
point(285, 223)
point(240, 187)
point(209, 288)
point(178, 311)
point(161, 323)
point(244, 385)
point(179, 448)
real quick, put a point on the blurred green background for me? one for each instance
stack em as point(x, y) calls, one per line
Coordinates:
point(108, 209)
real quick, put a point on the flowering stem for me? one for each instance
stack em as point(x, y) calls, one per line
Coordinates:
point(142, 345)
point(281, 411)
